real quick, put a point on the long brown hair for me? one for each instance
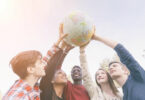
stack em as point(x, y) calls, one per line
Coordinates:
point(110, 81)
point(46, 86)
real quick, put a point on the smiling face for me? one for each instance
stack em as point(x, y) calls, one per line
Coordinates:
point(76, 73)
point(101, 76)
point(59, 77)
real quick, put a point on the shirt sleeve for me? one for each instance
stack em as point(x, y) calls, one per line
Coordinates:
point(55, 50)
point(52, 65)
point(93, 89)
point(126, 58)
point(52, 51)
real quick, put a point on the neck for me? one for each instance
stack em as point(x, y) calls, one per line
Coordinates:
point(106, 88)
point(58, 89)
point(31, 80)
point(78, 82)
point(121, 80)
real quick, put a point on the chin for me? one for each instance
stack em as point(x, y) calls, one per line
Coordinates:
point(77, 79)
point(101, 82)
point(63, 83)
point(114, 76)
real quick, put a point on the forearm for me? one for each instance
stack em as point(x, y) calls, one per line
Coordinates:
point(51, 52)
point(106, 41)
point(84, 66)
point(60, 61)
point(126, 58)
point(52, 66)
point(88, 82)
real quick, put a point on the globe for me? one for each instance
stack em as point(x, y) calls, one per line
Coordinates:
point(79, 28)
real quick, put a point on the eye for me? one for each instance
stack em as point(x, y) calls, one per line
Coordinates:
point(113, 65)
point(78, 70)
point(97, 74)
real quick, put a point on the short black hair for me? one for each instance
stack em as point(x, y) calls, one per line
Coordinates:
point(76, 66)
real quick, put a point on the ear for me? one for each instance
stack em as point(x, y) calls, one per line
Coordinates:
point(126, 71)
point(30, 70)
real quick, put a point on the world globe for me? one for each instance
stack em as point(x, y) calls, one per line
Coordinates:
point(79, 28)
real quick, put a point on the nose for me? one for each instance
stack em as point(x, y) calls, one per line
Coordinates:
point(76, 71)
point(111, 67)
point(45, 63)
point(99, 76)
point(64, 75)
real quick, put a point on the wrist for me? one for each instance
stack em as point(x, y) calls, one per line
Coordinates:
point(82, 50)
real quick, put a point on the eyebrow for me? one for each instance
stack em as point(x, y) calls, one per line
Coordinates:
point(113, 63)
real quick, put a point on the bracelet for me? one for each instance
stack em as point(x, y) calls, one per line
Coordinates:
point(82, 51)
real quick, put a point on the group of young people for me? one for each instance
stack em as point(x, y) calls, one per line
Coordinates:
point(30, 66)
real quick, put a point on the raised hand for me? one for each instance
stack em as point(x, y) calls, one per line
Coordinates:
point(66, 47)
point(61, 35)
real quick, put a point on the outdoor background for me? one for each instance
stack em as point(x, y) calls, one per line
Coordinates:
point(34, 24)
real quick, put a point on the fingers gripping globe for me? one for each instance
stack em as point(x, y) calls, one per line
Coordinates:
point(79, 28)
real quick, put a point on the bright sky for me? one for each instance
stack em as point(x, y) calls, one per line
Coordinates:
point(33, 24)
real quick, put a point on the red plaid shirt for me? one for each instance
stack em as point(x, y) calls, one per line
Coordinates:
point(22, 91)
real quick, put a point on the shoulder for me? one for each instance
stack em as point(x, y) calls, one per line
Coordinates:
point(16, 94)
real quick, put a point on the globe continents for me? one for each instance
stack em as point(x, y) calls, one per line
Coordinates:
point(79, 28)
